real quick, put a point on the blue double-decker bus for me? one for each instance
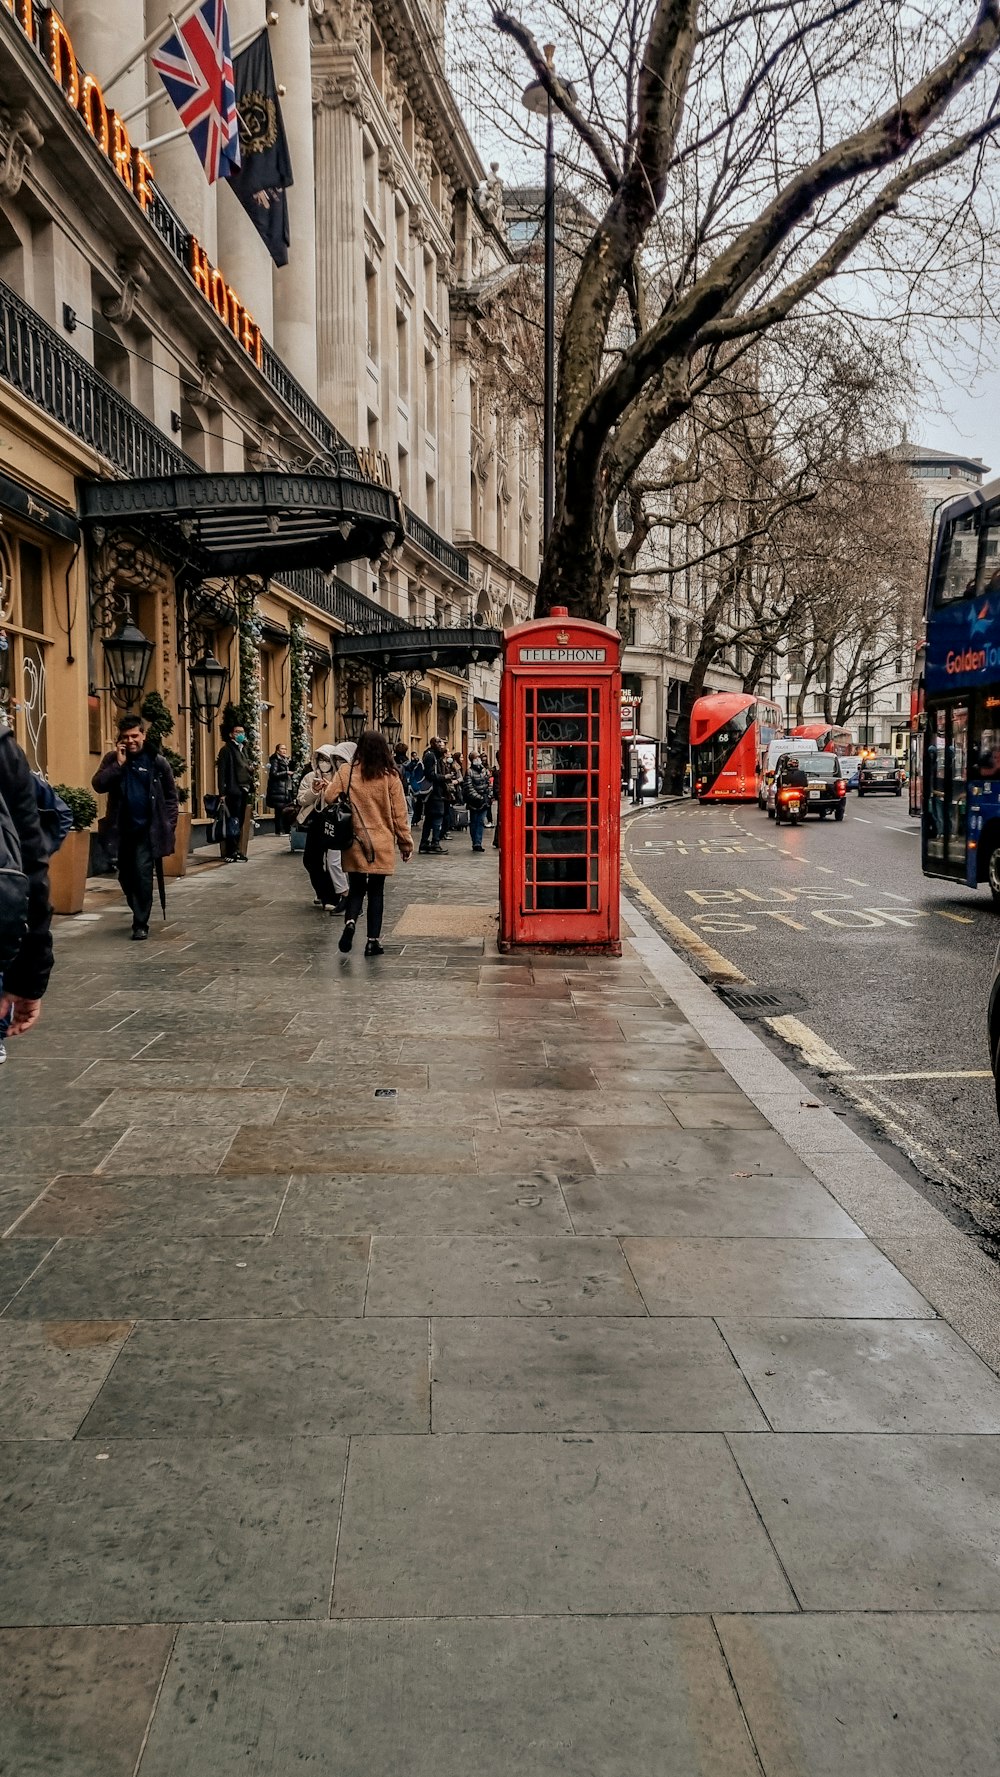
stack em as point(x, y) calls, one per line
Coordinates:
point(959, 759)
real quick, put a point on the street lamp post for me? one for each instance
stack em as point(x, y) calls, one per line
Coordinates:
point(538, 98)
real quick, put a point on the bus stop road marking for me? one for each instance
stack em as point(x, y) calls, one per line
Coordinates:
point(811, 1047)
point(716, 964)
point(958, 1073)
point(961, 919)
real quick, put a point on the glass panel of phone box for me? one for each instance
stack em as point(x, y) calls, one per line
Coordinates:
point(562, 754)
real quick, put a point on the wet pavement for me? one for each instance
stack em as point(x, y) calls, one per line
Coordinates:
point(461, 1364)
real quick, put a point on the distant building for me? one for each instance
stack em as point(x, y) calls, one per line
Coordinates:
point(940, 475)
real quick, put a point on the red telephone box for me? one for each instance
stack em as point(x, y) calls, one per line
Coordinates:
point(560, 785)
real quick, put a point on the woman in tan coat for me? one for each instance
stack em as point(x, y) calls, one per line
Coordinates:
point(380, 824)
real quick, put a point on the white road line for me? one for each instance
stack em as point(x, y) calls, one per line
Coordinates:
point(825, 868)
point(958, 1073)
point(861, 818)
point(911, 832)
point(812, 1047)
point(892, 895)
point(857, 882)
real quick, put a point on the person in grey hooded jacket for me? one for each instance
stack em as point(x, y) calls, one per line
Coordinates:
point(324, 867)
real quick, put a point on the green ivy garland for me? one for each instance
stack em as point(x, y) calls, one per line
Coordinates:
point(251, 631)
point(298, 687)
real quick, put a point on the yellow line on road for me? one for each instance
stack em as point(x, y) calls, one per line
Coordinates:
point(812, 1047)
point(961, 919)
point(958, 1073)
point(713, 960)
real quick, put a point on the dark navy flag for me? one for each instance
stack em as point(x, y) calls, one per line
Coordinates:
point(266, 168)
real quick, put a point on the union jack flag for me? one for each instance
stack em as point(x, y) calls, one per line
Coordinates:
point(195, 65)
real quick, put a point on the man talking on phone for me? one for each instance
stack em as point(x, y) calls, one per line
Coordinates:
point(141, 817)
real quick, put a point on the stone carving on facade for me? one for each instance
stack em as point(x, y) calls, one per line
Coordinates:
point(345, 23)
point(344, 90)
point(390, 167)
point(20, 136)
point(493, 201)
point(204, 393)
point(133, 270)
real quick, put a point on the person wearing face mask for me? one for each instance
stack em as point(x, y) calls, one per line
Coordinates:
point(323, 867)
point(235, 781)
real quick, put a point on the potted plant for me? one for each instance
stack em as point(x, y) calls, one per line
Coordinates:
point(68, 868)
point(159, 723)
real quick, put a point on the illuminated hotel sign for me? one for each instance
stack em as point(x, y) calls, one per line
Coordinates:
point(47, 32)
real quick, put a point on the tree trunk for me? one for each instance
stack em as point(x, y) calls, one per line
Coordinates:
point(576, 570)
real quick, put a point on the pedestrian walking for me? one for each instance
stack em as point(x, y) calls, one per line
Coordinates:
point(436, 796)
point(640, 781)
point(140, 819)
point(25, 911)
point(280, 792)
point(478, 789)
point(496, 798)
point(373, 787)
point(324, 867)
point(235, 784)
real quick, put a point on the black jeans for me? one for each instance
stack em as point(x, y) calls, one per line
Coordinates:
point(236, 808)
point(434, 816)
point(135, 873)
point(358, 886)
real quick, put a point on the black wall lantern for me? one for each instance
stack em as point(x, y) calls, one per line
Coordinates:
point(392, 728)
point(128, 655)
point(354, 722)
point(209, 679)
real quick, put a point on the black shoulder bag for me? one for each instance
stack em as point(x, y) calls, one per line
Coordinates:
point(338, 819)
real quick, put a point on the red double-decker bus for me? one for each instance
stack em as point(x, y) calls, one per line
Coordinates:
point(730, 733)
point(829, 738)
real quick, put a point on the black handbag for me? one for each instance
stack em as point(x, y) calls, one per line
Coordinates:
point(338, 819)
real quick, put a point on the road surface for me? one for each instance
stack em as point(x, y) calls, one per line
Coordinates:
point(892, 968)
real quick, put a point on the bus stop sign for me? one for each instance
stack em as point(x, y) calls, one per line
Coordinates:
point(560, 786)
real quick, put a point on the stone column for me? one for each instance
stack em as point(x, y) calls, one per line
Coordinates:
point(455, 441)
point(242, 254)
point(177, 169)
point(341, 312)
point(103, 31)
point(294, 285)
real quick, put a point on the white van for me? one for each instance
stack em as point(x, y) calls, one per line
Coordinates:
point(779, 749)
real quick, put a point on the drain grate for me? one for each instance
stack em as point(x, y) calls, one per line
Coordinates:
point(753, 1002)
point(385, 1092)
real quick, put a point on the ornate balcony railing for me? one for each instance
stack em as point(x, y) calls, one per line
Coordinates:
point(42, 367)
point(331, 594)
point(422, 534)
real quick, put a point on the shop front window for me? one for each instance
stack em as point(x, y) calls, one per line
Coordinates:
point(24, 645)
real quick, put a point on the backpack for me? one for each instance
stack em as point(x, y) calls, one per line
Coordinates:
point(54, 817)
point(13, 889)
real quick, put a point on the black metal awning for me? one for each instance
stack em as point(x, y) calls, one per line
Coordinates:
point(254, 524)
point(413, 650)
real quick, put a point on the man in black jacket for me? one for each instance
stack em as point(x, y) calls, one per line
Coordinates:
point(436, 804)
point(26, 976)
point(235, 784)
point(141, 816)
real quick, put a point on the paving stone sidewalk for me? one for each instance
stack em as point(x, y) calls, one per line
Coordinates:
point(439, 1365)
